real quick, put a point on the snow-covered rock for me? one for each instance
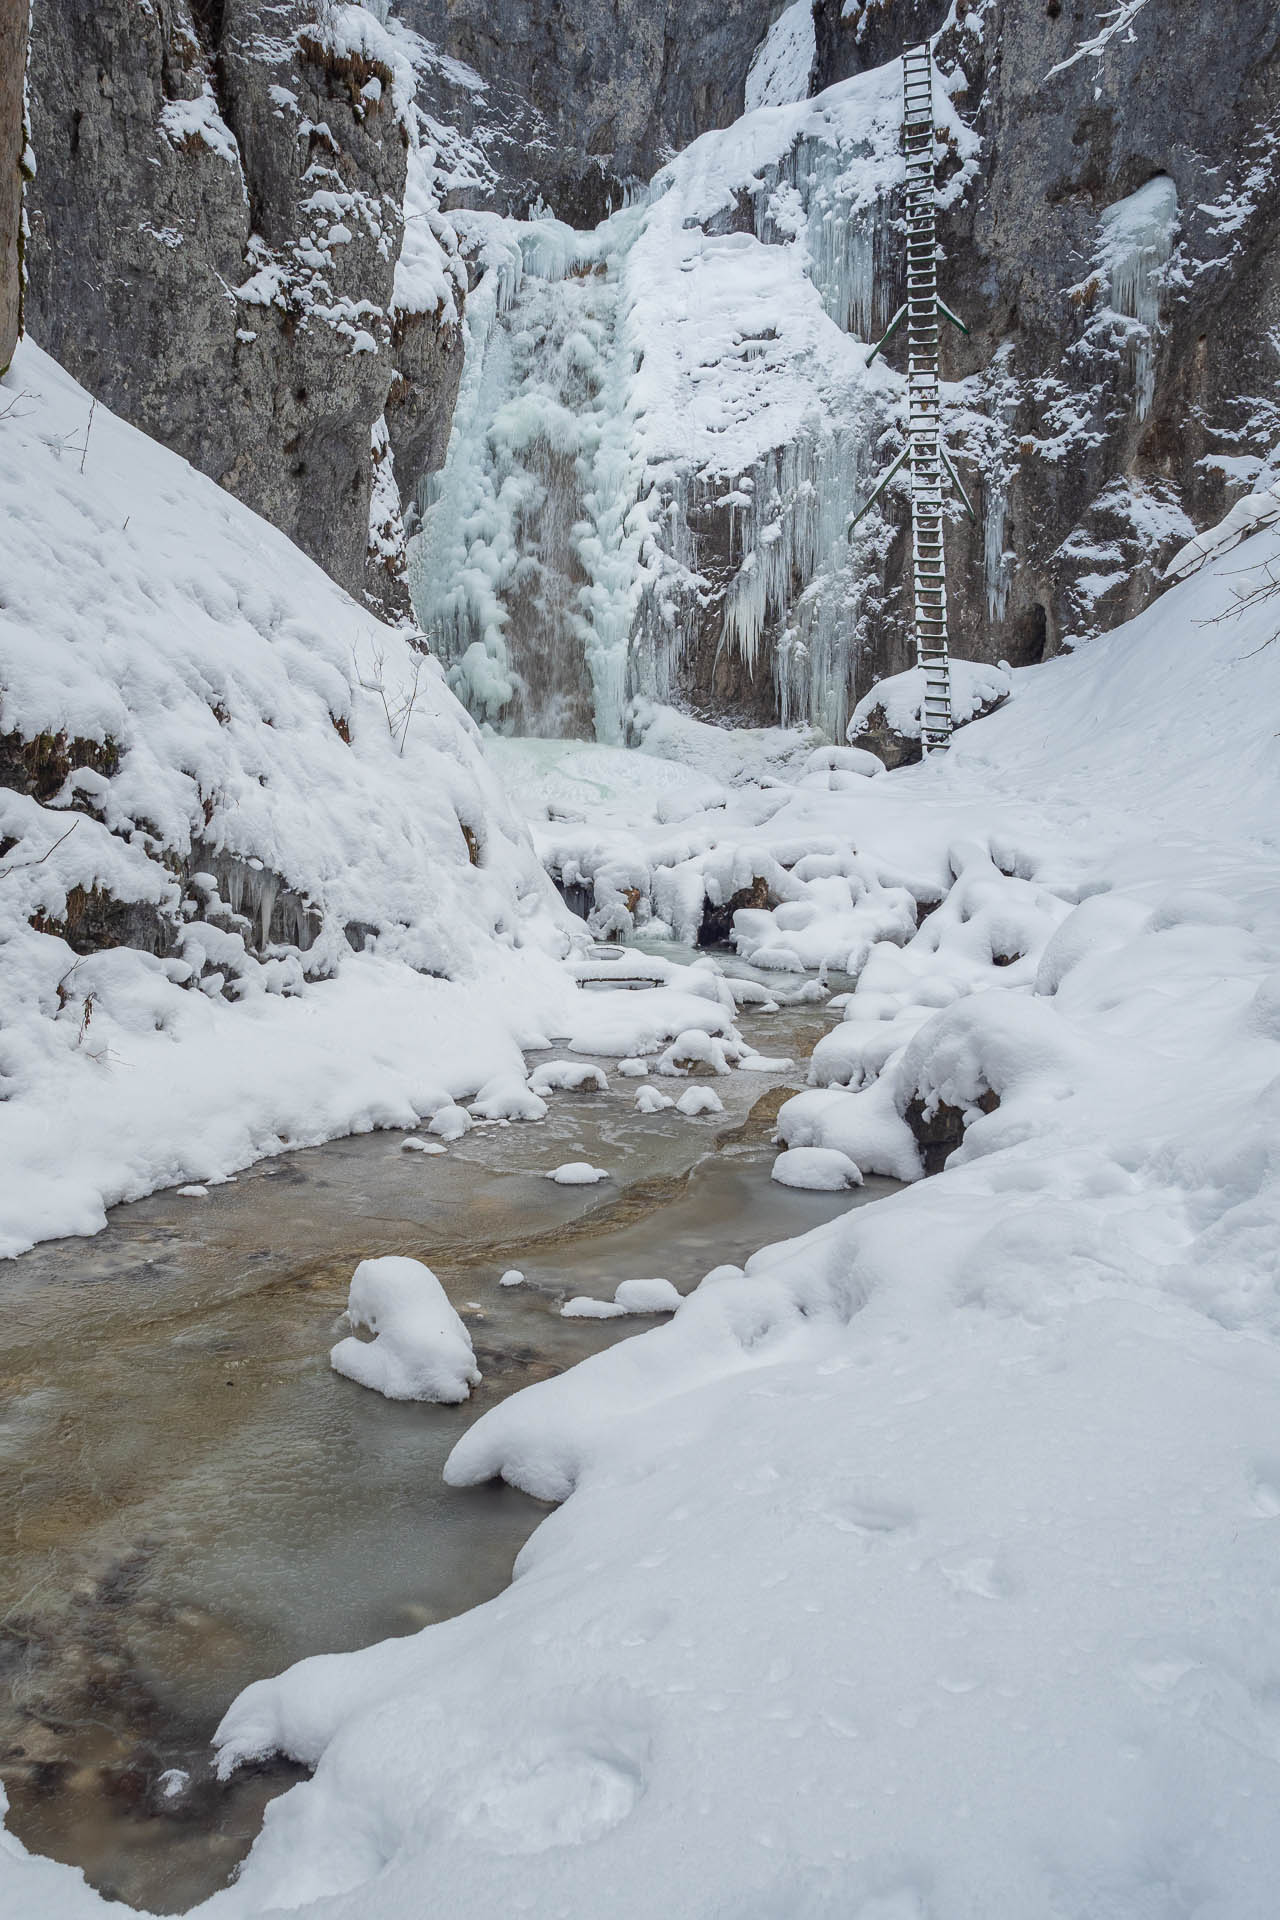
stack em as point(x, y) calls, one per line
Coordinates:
point(421, 1349)
point(583, 1307)
point(816, 1169)
point(885, 724)
point(696, 1100)
point(571, 1076)
point(647, 1296)
point(650, 1100)
point(577, 1173)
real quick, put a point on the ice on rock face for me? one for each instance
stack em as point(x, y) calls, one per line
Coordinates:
point(783, 63)
point(625, 387)
point(420, 1349)
point(1136, 237)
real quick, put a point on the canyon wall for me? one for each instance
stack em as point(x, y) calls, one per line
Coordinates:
point(256, 232)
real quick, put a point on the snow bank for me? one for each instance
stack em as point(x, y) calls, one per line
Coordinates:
point(420, 1349)
point(261, 790)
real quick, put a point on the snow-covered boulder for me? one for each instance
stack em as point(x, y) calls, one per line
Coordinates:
point(886, 722)
point(420, 1349)
point(649, 1100)
point(577, 1173)
point(507, 1097)
point(630, 1296)
point(584, 1307)
point(647, 1296)
point(567, 1076)
point(696, 1100)
point(450, 1122)
point(816, 1169)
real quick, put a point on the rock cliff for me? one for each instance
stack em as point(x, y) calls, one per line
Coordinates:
point(219, 249)
point(1118, 261)
point(215, 229)
point(13, 66)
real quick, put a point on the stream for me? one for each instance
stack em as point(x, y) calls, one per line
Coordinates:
point(193, 1499)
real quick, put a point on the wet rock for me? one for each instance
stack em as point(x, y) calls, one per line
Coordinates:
point(938, 1133)
point(717, 922)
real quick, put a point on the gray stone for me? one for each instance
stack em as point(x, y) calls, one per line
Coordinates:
point(1092, 491)
point(13, 65)
point(582, 100)
point(188, 277)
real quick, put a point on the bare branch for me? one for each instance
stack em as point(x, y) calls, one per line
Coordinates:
point(18, 866)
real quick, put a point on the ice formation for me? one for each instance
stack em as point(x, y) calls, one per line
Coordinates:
point(624, 387)
point(1136, 237)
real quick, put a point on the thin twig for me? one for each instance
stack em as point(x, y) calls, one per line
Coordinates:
point(17, 866)
point(93, 408)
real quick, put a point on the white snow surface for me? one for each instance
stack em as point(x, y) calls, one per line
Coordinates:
point(924, 1569)
point(420, 1350)
point(783, 64)
point(816, 1169)
point(145, 608)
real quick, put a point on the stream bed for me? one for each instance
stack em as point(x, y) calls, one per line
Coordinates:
point(192, 1499)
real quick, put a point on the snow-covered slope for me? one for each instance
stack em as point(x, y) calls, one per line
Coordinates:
point(211, 750)
point(925, 1570)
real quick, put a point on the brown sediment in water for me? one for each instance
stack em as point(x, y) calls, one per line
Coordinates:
point(192, 1498)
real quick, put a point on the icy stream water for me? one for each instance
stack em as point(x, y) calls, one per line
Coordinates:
point(192, 1499)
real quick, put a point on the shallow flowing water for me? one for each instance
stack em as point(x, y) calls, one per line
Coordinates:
point(192, 1498)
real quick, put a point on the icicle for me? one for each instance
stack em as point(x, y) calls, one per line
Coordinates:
point(1136, 241)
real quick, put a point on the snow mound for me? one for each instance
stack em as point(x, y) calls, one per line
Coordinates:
point(695, 1100)
point(508, 1097)
point(512, 1278)
point(245, 908)
point(569, 1076)
point(896, 701)
point(816, 1169)
point(650, 1100)
point(420, 1349)
point(577, 1173)
point(647, 1296)
point(585, 1308)
point(450, 1122)
point(630, 1296)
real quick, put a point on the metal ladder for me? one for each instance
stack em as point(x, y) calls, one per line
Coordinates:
point(930, 464)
